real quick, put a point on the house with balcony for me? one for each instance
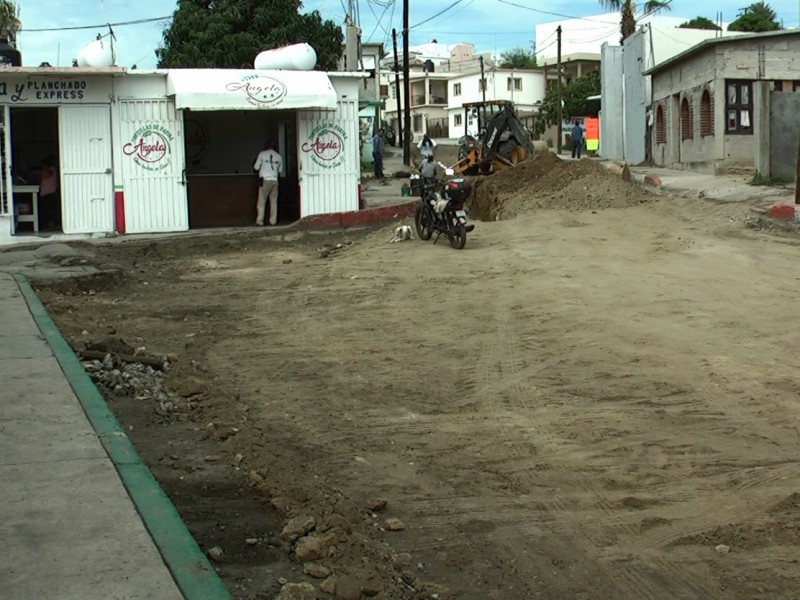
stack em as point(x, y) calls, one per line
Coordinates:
point(432, 66)
point(429, 100)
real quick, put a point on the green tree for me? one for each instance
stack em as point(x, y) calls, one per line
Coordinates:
point(230, 33)
point(574, 95)
point(518, 58)
point(700, 23)
point(9, 20)
point(757, 17)
point(627, 9)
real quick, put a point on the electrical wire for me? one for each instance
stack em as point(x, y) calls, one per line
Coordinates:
point(377, 18)
point(101, 25)
point(538, 52)
point(439, 14)
point(547, 12)
point(391, 18)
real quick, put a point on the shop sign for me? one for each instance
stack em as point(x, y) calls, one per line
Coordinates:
point(325, 145)
point(150, 147)
point(54, 90)
point(261, 90)
point(196, 138)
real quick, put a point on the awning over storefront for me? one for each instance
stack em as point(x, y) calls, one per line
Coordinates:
point(229, 89)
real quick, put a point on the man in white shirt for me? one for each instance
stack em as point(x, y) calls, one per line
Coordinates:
point(268, 165)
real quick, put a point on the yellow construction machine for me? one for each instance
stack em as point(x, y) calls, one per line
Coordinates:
point(494, 138)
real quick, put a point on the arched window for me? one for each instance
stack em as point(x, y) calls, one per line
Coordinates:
point(661, 129)
point(706, 114)
point(686, 120)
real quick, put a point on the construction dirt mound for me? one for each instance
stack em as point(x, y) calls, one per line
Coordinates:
point(547, 182)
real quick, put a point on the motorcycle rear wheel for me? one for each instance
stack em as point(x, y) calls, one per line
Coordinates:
point(423, 223)
point(458, 236)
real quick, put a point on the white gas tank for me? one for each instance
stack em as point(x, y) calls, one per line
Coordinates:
point(99, 53)
point(297, 57)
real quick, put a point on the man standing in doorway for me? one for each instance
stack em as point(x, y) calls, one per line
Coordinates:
point(49, 202)
point(577, 139)
point(268, 165)
point(377, 154)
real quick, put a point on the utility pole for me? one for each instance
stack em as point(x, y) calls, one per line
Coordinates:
point(397, 91)
point(483, 81)
point(406, 91)
point(560, 95)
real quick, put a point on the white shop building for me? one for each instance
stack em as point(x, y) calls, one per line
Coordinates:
point(171, 150)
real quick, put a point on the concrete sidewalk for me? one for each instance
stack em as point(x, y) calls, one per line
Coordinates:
point(80, 516)
point(722, 188)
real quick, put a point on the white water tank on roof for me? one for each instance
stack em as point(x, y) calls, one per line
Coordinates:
point(297, 57)
point(99, 53)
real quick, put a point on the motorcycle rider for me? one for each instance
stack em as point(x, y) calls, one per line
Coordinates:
point(428, 169)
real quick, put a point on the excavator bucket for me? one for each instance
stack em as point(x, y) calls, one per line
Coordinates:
point(469, 163)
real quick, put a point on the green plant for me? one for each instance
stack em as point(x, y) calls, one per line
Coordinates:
point(229, 34)
point(773, 181)
point(549, 142)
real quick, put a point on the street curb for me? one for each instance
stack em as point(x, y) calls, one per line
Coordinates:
point(189, 567)
point(356, 218)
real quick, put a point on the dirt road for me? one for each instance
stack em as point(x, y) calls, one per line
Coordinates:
point(580, 405)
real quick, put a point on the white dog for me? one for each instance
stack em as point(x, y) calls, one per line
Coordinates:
point(402, 233)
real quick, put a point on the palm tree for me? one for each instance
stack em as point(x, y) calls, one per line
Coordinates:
point(9, 21)
point(628, 10)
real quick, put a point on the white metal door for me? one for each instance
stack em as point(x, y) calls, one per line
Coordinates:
point(87, 191)
point(152, 166)
point(329, 159)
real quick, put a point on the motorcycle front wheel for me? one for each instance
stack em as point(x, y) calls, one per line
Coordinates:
point(458, 236)
point(423, 223)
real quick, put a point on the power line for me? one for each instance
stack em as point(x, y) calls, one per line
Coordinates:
point(546, 47)
point(439, 14)
point(547, 12)
point(377, 18)
point(100, 26)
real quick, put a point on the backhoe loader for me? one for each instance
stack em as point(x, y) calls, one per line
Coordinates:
point(494, 138)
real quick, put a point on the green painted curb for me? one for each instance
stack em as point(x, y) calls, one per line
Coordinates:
point(194, 575)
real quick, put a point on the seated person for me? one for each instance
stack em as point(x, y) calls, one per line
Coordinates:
point(428, 168)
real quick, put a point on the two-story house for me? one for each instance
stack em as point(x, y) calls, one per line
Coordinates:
point(524, 87)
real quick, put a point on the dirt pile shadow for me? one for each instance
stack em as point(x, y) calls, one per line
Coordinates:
point(548, 182)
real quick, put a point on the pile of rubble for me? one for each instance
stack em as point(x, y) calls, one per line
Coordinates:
point(136, 376)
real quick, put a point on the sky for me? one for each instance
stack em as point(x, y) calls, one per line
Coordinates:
point(491, 25)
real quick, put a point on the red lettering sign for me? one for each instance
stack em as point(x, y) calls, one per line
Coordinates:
point(150, 148)
point(326, 146)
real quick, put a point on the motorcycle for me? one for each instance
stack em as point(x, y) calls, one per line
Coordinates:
point(441, 210)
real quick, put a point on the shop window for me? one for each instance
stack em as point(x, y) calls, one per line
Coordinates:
point(417, 122)
point(458, 120)
point(739, 107)
point(661, 130)
point(796, 86)
point(706, 114)
point(456, 89)
point(686, 120)
point(515, 84)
